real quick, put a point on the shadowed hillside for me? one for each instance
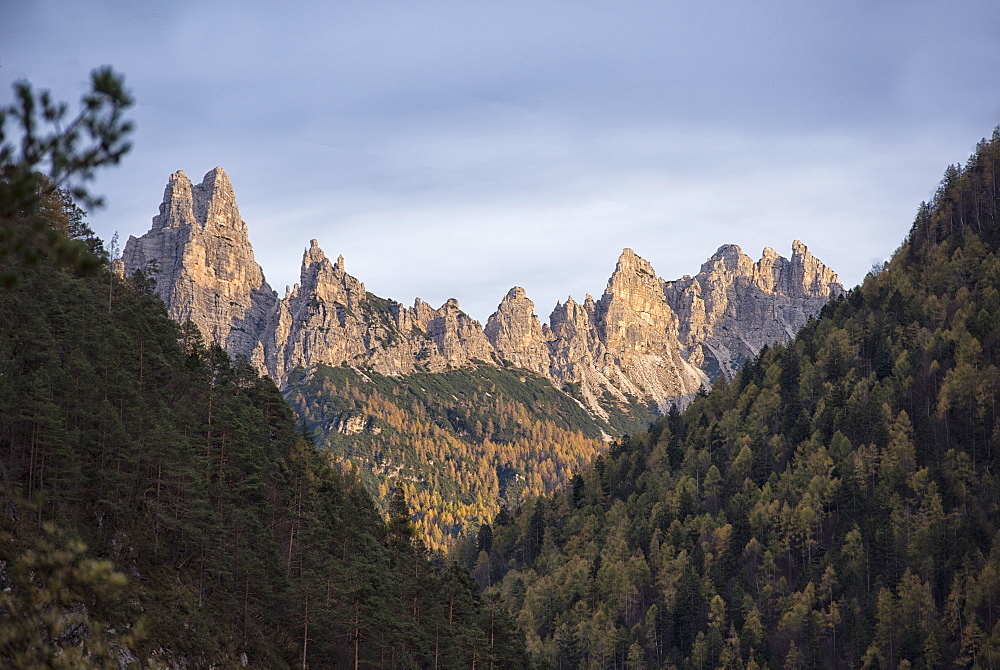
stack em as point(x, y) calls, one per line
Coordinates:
point(160, 504)
point(835, 505)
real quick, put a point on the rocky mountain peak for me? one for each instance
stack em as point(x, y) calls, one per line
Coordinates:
point(211, 203)
point(517, 335)
point(215, 202)
point(630, 265)
point(321, 280)
point(633, 302)
point(205, 270)
point(643, 339)
point(627, 257)
point(639, 352)
point(733, 306)
point(177, 208)
point(515, 302)
point(810, 277)
point(312, 255)
point(516, 294)
point(458, 337)
point(729, 259)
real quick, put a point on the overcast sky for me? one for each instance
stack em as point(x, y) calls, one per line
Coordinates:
point(457, 149)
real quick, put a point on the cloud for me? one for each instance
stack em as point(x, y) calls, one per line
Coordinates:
point(453, 149)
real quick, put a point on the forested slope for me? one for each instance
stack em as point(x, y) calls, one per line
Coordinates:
point(835, 505)
point(159, 502)
point(460, 443)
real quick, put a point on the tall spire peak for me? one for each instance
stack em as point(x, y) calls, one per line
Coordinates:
point(176, 208)
point(217, 177)
point(631, 265)
point(628, 257)
point(217, 182)
point(517, 335)
point(313, 254)
point(206, 269)
point(215, 201)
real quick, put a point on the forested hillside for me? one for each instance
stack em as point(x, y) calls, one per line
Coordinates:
point(460, 444)
point(160, 504)
point(834, 505)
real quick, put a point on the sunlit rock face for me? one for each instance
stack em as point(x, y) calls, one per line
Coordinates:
point(200, 256)
point(734, 306)
point(517, 335)
point(330, 318)
point(624, 344)
point(645, 338)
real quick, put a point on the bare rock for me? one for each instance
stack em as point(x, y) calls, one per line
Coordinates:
point(645, 338)
point(199, 253)
point(626, 344)
point(517, 335)
point(733, 306)
point(459, 337)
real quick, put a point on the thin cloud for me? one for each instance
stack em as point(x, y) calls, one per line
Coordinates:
point(453, 149)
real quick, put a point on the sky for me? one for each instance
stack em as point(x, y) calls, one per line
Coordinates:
point(458, 149)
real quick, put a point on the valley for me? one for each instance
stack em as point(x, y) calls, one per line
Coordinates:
point(612, 364)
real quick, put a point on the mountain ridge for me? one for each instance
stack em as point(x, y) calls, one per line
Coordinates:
point(833, 505)
point(644, 337)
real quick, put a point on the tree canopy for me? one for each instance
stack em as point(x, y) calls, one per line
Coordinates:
point(834, 505)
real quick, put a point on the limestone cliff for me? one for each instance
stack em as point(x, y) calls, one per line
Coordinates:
point(320, 320)
point(644, 340)
point(625, 344)
point(199, 253)
point(330, 318)
point(516, 334)
point(733, 306)
point(201, 257)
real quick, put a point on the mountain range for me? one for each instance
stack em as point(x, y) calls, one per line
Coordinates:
point(644, 338)
point(466, 419)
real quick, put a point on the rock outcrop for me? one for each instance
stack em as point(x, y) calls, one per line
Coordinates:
point(329, 317)
point(733, 306)
point(645, 339)
point(320, 319)
point(200, 256)
point(516, 334)
point(625, 344)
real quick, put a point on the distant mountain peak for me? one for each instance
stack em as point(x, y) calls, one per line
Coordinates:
point(200, 252)
point(630, 262)
point(644, 337)
point(734, 306)
point(312, 255)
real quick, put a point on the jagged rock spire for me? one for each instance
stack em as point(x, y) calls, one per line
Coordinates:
point(644, 337)
point(516, 334)
point(733, 306)
point(203, 262)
